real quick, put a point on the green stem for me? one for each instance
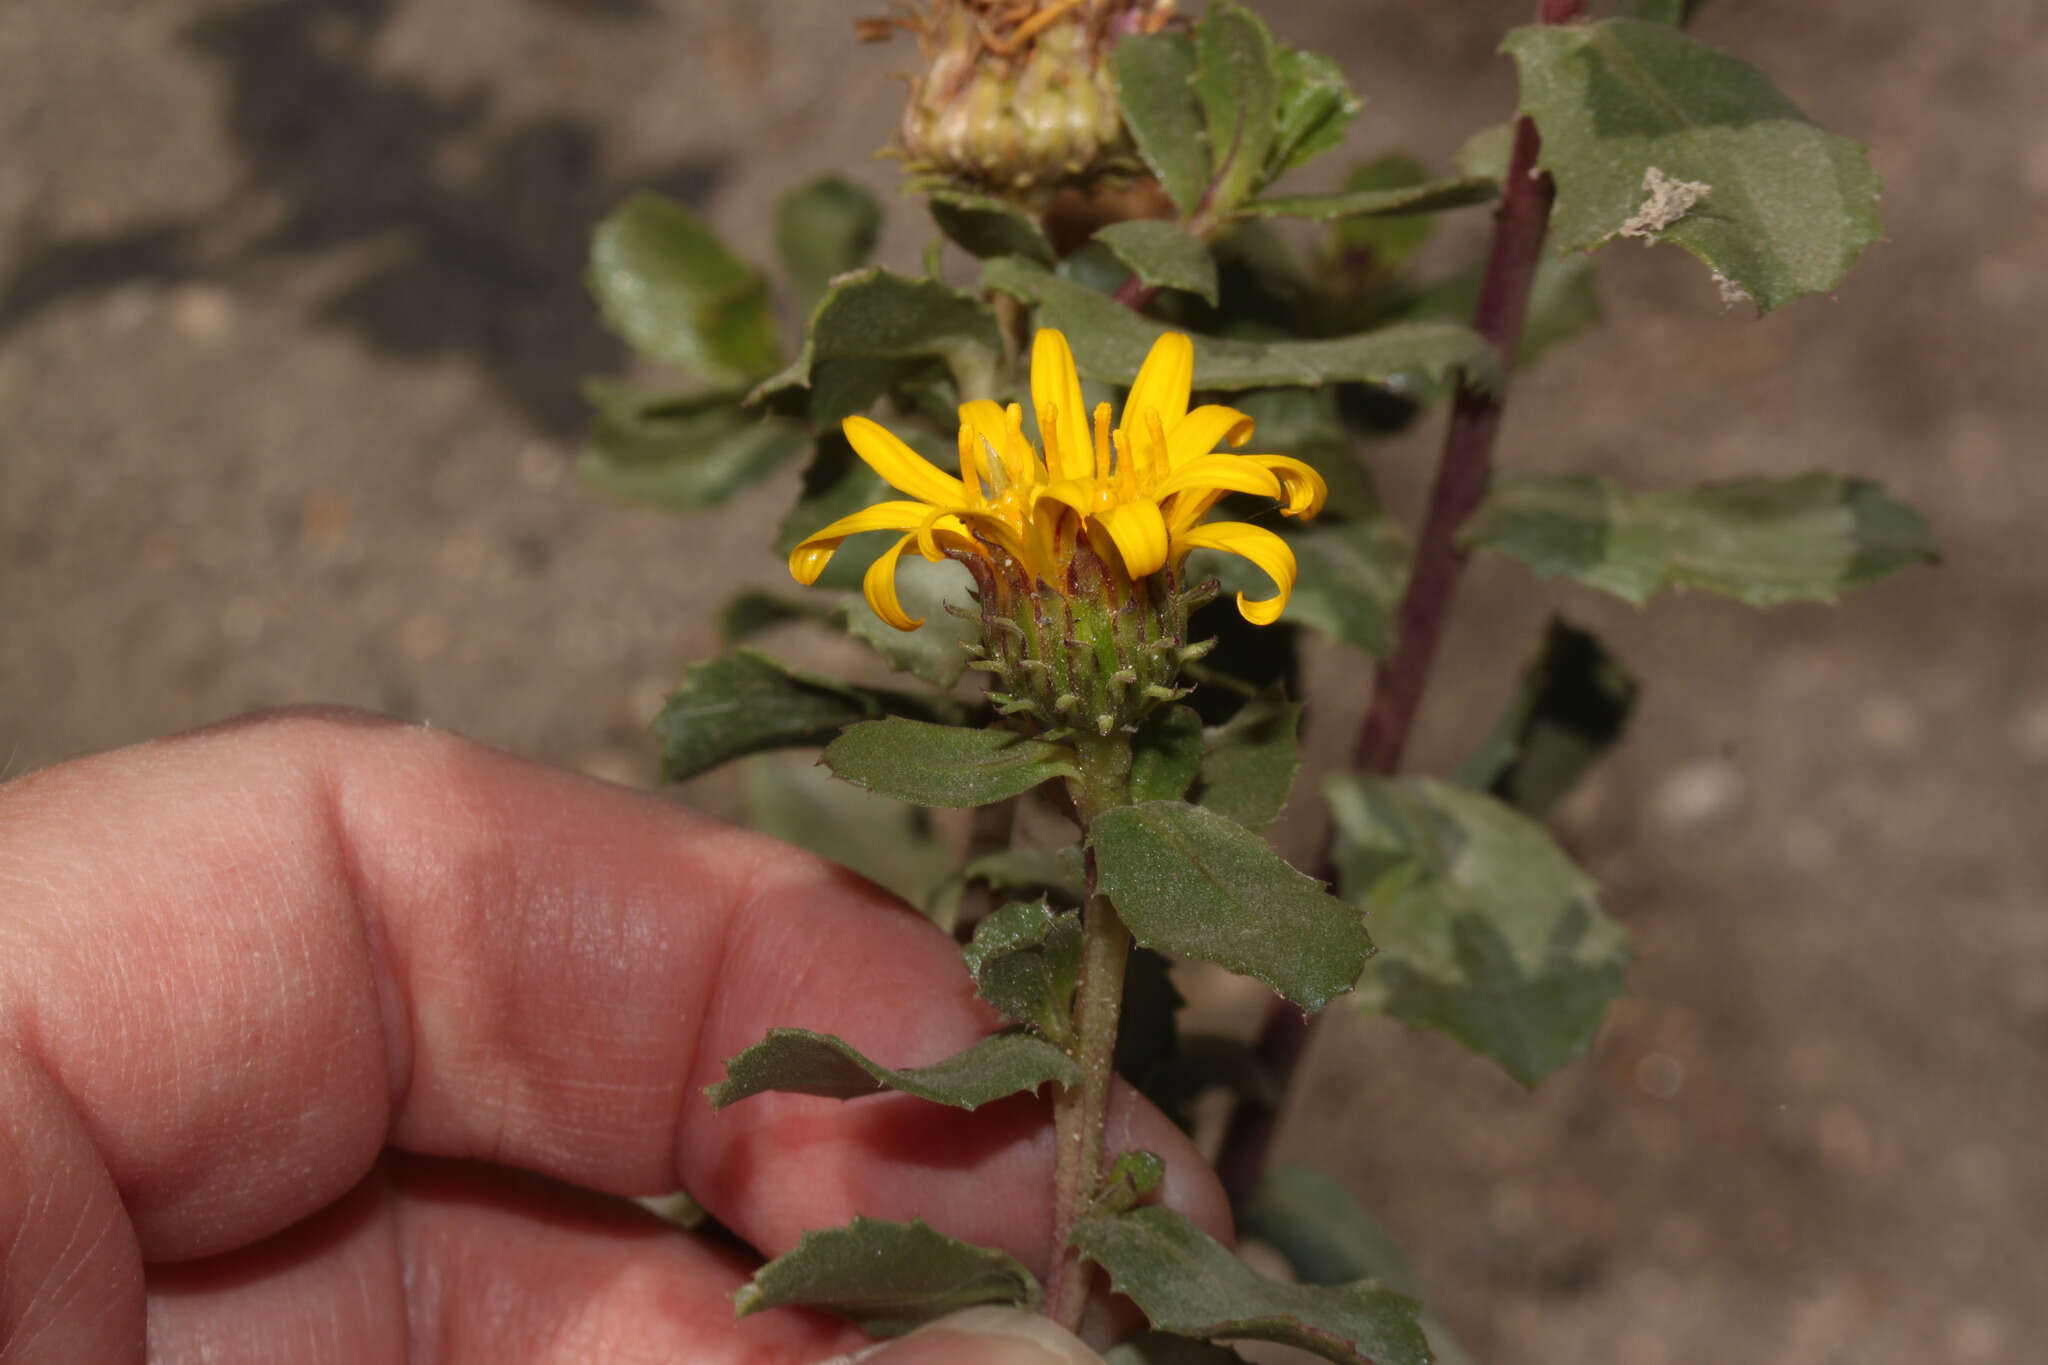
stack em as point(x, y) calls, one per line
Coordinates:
point(1080, 1113)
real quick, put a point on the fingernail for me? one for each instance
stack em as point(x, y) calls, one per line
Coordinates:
point(986, 1336)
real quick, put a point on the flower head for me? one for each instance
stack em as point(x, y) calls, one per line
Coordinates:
point(1134, 494)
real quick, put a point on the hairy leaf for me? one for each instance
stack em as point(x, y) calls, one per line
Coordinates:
point(681, 452)
point(983, 225)
point(889, 1277)
point(1574, 699)
point(1165, 754)
point(1190, 1284)
point(890, 843)
point(1111, 342)
point(1431, 197)
point(1250, 761)
point(1655, 135)
point(944, 765)
point(875, 333)
point(1763, 541)
point(1189, 881)
point(1240, 97)
point(1155, 89)
point(824, 228)
point(798, 1062)
point(744, 702)
point(1163, 256)
point(937, 650)
point(1025, 959)
point(1487, 931)
point(669, 287)
point(1389, 240)
point(1316, 105)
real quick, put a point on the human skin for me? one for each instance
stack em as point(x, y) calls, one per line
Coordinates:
point(325, 1038)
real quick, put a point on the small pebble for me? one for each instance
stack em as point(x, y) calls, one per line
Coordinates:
point(1696, 795)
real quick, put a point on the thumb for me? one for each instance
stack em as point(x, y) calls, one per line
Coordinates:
point(986, 1336)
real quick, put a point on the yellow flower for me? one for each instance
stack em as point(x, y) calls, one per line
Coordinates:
point(1138, 491)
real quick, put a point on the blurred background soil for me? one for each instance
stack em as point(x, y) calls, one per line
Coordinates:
point(291, 322)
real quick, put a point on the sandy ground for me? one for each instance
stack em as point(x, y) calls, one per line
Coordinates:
point(290, 322)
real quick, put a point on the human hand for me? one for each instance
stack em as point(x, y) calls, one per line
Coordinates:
point(302, 1017)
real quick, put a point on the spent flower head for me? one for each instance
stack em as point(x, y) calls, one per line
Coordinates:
point(1016, 96)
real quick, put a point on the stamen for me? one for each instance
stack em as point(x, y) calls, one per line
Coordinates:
point(1103, 449)
point(1049, 432)
point(1161, 461)
point(1126, 469)
point(1017, 452)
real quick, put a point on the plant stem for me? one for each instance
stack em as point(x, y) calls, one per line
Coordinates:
point(1463, 472)
point(1080, 1112)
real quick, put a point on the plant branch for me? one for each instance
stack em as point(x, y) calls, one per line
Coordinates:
point(1463, 472)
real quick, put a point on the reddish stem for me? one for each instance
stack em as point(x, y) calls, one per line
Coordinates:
point(1463, 472)
point(1134, 293)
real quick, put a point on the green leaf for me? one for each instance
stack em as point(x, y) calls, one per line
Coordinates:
point(795, 1061)
point(1316, 105)
point(1251, 760)
point(1240, 97)
point(1024, 959)
point(1574, 699)
point(1164, 255)
point(669, 287)
point(1190, 1284)
point(1165, 754)
point(744, 702)
point(944, 765)
point(937, 650)
point(1155, 89)
point(889, 1277)
point(1329, 1238)
point(1655, 135)
point(891, 844)
point(824, 228)
point(1110, 343)
point(1351, 578)
point(1487, 931)
point(1763, 541)
point(1057, 872)
point(1164, 1348)
point(1133, 1176)
point(985, 226)
point(1562, 303)
point(1190, 881)
point(1431, 197)
point(681, 452)
point(876, 333)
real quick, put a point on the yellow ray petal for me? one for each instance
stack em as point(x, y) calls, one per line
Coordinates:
point(1161, 386)
point(1078, 494)
point(1262, 548)
point(1229, 473)
point(1306, 491)
point(879, 587)
point(984, 418)
point(905, 469)
point(1140, 535)
point(1202, 430)
point(1056, 395)
point(815, 550)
